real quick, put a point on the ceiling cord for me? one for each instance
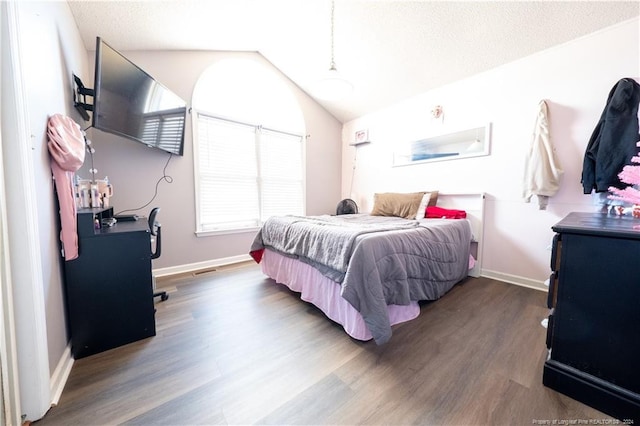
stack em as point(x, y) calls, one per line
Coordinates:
point(332, 66)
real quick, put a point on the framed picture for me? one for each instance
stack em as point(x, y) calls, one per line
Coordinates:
point(465, 143)
point(362, 136)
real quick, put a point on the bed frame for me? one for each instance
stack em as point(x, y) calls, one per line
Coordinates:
point(473, 204)
point(325, 294)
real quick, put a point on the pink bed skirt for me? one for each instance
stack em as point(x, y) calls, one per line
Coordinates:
point(324, 293)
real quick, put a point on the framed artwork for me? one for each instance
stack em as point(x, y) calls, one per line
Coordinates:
point(361, 136)
point(472, 142)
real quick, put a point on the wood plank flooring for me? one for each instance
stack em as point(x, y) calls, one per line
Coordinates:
point(233, 347)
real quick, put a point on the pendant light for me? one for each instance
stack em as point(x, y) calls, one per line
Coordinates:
point(332, 85)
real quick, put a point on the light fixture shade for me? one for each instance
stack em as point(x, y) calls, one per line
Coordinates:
point(332, 86)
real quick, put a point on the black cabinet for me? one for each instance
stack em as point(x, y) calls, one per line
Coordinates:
point(594, 324)
point(109, 288)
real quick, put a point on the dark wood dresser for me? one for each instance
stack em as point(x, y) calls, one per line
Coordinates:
point(109, 288)
point(594, 322)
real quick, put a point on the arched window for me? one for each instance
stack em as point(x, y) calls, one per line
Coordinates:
point(249, 148)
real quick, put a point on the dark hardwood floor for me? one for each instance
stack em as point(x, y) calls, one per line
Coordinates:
point(232, 347)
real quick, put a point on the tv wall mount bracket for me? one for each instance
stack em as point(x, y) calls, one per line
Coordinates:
point(80, 98)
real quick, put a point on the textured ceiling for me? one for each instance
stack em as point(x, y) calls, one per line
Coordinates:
point(389, 50)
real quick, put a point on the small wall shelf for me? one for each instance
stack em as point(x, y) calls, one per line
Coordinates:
point(473, 142)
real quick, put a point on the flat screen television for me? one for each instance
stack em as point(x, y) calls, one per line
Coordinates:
point(129, 102)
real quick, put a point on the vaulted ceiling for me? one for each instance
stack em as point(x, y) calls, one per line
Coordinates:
point(389, 50)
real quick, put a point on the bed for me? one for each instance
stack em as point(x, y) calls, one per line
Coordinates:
point(368, 272)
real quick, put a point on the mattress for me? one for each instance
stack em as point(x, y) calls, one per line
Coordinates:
point(376, 261)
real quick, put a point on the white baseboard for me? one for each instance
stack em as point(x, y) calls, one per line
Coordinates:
point(515, 279)
point(60, 375)
point(190, 267)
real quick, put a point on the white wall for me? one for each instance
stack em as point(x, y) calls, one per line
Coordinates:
point(52, 51)
point(9, 380)
point(134, 169)
point(575, 79)
point(45, 49)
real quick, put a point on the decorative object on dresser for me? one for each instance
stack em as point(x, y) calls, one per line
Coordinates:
point(630, 174)
point(593, 335)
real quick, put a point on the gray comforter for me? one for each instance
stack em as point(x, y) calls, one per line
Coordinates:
point(378, 260)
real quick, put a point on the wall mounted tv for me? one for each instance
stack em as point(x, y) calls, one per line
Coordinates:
point(129, 102)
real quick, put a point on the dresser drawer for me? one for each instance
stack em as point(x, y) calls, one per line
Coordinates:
point(556, 249)
point(550, 329)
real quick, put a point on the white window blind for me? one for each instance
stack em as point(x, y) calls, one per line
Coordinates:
point(246, 174)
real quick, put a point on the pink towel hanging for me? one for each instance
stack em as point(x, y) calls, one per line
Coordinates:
point(66, 147)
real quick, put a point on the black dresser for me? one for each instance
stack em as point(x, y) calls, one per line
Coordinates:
point(594, 322)
point(109, 287)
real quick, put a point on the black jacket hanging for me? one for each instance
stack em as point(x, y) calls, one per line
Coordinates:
point(613, 141)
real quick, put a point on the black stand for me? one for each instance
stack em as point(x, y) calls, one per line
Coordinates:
point(82, 106)
point(109, 289)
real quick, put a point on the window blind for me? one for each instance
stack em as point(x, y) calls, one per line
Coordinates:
point(246, 174)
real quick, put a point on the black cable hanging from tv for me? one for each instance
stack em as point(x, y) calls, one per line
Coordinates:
point(165, 177)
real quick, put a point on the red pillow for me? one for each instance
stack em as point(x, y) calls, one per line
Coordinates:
point(438, 212)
